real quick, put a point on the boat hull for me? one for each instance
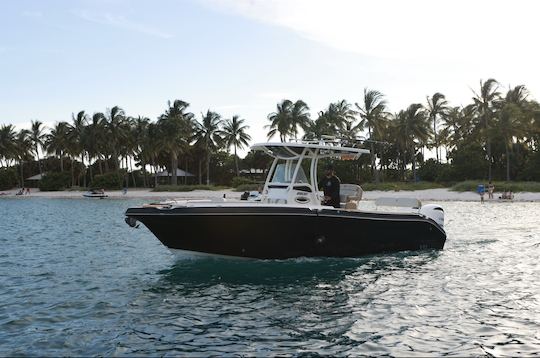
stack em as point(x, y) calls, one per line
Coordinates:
point(281, 232)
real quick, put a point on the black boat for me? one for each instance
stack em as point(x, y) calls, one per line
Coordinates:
point(290, 221)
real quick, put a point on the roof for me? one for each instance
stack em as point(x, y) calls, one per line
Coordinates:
point(293, 150)
point(35, 177)
point(179, 173)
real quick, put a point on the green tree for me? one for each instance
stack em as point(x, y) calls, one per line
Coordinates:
point(209, 135)
point(56, 141)
point(175, 128)
point(280, 120)
point(115, 132)
point(413, 125)
point(78, 131)
point(436, 107)
point(234, 134)
point(372, 114)
point(7, 143)
point(23, 150)
point(37, 136)
point(484, 101)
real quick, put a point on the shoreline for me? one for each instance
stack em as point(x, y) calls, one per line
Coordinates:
point(441, 194)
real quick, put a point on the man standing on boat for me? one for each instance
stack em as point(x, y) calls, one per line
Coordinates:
point(330, 185)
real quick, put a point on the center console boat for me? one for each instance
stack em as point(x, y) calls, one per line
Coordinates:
point(289, 221)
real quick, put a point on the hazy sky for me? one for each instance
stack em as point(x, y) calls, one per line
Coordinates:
point(243, 56)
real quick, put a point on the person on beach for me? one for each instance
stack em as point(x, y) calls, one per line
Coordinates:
point(491, 189)
point(330, 185)
point(481, 191)
point(27, 191)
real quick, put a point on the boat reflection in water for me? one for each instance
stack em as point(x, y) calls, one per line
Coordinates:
point(289, 221)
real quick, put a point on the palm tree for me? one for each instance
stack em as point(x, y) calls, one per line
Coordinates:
point(209, 134)
point(23, 148)
point(413, 124)
point(37, 136)
point(7, 143)
point(78, 131)
point(512, 119)
point(234, 134)
point(318, 128)
point(280, 120)
point(510, 125)
point(299, 117)
point(372, 113)
point(56, 141)
point(484, 101)
point(175, 126)
point(140, 137)
point(96, 141)
point(115, 128)
point(437, 107)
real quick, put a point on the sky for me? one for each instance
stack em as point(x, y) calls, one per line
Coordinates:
point(242, 57)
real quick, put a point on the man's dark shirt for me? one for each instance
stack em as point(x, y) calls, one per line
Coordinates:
point(330, 187)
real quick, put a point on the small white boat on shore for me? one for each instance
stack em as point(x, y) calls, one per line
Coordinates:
point(95, 193)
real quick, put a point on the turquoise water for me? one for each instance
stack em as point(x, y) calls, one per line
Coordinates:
point(76, 280)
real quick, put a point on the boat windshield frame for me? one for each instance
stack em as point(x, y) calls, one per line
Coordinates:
point(319, 149)
point(294, 154)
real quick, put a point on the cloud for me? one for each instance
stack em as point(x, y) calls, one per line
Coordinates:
point(420, 30)
point(121, 22)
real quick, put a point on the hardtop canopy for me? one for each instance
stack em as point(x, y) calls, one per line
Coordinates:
point(294, 150)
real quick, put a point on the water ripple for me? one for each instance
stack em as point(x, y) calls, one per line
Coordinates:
point(75, 280)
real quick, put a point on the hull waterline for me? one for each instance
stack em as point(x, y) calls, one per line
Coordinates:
point(267, 232)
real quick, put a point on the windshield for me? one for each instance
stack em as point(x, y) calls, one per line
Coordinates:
point(284, 173)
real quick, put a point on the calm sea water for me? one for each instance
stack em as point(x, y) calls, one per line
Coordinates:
point(75, 280)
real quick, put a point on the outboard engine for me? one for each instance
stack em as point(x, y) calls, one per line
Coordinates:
point(434, 212)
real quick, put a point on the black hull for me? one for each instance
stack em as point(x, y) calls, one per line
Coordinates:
point(281, 233)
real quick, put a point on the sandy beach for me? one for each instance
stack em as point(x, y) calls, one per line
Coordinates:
point(423, 195)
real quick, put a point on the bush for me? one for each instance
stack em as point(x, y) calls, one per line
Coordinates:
point(8, 178)
point(397, 186)
point(430, 170)
point(55, 181)
point(187, 187)
point(107, 181)
point(237, 181)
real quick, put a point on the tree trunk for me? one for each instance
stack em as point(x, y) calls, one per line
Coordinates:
point(90, 168)
point(200, 171)
point(72, 173)
point(507, 163)
point(208, 168)
point(236, 162)
point(373, 164)
point(435, 134)
point(22, 172)
point(100, 165)
point(132, 174)
point(489, 157)
point(174, 166)
point(61, 161)
point(413, 163)
point(83, 170)
point(39, 162)
point(186, 170)
point(145, 177)
point(155, 172)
